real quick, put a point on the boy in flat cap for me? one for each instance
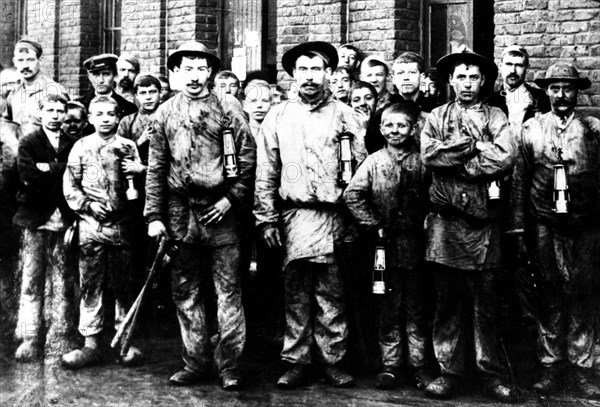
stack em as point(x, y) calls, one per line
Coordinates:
point(189, 198)
point(128, 68)
point(102, 70)
point(467, 146)
point(23, 103)
point(565, 240)
point(298, 206)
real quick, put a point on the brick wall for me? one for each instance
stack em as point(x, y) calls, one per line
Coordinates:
point(42, 24)
point(554, 30)
point(308, 20)
point(384, 27)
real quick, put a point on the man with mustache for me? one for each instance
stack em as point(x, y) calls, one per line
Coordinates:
point(128, 68)
point(23, 102)
point(563, 247)
point(102, 70)
point(189, 198)
point(517, 99)
point(466, 145)
point(299, 209)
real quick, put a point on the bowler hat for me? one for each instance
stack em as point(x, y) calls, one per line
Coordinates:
point(321, 48)
point(563, 71)
point(100, 62)
point(195, 48)
point(446, 64)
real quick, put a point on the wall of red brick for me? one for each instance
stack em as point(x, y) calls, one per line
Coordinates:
point(551, 31)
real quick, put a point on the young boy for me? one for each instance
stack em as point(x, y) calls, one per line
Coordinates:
point(226, 82)
point(76, 120)
point(375, 71)
point(341, 80)
point(388, 196)
point(257, 103)
point(94, 187)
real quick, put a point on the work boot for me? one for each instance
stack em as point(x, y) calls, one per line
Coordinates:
point(388, 378)
point(134, 357)
point(499, 391)
point(186, 377)
point(422, 378)
point(81, 357)
point(28, 351)
point(586, 382)
point(231, 381)
point(337, 377)
point(548, 382)
point(293, 377)
point(443, 387)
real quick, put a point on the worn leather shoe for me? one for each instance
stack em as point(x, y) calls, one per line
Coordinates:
point(388, 378)
point(443, 387)
point(499, 391)
point(422, 378)
point(585, 381)
point(548, 382)
point(81, 357)
point(28, 351)
point(337, 377)
point(185, 378)
point(231, 382)
point(293, 377)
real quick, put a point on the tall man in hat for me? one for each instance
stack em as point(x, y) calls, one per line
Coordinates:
point(467, 145)
point(189, 198)
point(298, 205)
point(102, 71)
point(559, 150)
point(23, 102)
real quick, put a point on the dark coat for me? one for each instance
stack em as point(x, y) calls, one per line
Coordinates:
point(541, 103)
point(40, 193)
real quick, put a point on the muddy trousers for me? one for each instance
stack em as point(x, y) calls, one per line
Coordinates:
point(314, 313)
point(47, 289)
point(404, 287)
point(466, 298)
point(188, 275)
point(103, 266)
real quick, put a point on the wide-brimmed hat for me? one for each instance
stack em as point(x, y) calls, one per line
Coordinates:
point(323, 49)
point(194, 48)
point(447, 62)
point(563, 71)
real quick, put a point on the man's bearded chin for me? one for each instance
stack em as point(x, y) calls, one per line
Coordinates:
point(126, 83)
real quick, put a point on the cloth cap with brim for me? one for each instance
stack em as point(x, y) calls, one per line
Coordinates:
point(563, 72)
point(321, 48)
point(101, 62)
point(446, 64)
point(194, 48)
point(515, 49)
point(31, 44)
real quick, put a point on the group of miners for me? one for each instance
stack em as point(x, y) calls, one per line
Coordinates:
point(448, 198)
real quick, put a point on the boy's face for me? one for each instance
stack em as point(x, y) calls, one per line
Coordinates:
point(257, 102)
point(375, 75)
point(74, 122)
point(227, 86)
point(364, 100)
point(396, 128)
point(52, 115)
point(340, 84)
point(148, 97)
point(103, 81)
point(165, 91)
point(104, 118)
point(467, 80)
point(407, 77)
point(347, 57)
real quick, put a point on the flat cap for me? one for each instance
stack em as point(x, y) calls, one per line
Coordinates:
point(31, 44)
point(100, 62)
